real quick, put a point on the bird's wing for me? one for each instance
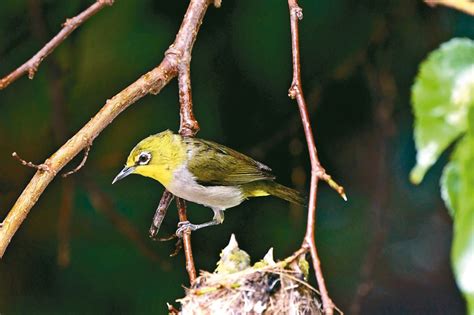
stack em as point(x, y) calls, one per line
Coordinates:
point(215, 164)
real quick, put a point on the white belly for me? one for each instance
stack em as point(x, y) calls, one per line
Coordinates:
point(185, 186)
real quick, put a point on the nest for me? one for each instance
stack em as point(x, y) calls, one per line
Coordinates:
point(264, 288)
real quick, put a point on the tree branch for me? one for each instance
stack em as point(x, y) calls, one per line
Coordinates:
point(160, 213)
point(31, 66)
point(317, 171)
point(188, 127)
point(465, 6)
point(188, 253)
point(151, 82)
point(188, 124)
point(40, 167)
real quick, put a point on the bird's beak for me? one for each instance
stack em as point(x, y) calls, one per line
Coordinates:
point(123, 173)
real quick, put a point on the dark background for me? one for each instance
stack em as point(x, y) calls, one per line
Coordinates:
point(359, 59)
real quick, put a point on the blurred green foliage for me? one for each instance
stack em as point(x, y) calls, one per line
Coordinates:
point(443, 99)
point(442, 96)
point(241, 71)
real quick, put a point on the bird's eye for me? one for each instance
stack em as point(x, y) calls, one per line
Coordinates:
point(144, 158)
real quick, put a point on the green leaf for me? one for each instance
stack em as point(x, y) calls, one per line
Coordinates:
point(441, 96)
point(461, 198)
point(442, 99)
point(450, 181)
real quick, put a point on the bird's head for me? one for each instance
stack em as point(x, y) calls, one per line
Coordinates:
point(156, 156)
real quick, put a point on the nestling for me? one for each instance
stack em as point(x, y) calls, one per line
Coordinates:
point(203, 172)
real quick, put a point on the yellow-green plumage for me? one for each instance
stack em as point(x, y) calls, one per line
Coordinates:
point(204, 172)
point(168, 152)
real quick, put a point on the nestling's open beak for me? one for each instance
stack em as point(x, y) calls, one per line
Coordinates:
point(123, 173)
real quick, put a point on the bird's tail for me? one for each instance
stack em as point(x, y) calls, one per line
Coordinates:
point(265, 188)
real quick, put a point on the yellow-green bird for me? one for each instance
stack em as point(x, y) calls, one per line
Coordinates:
point(203, 172)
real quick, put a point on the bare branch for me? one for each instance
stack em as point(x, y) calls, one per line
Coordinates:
point(465, 6)
point(31, 66)
point(188, 127)
point(190, 268)
point(160, 213)
point(188, 124)
point(151, 82)
point(40, 167)
point(317, 171)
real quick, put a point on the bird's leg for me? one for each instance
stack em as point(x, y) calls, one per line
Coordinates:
point(185, 225)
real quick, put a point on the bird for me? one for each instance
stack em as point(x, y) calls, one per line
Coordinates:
point(203, 172)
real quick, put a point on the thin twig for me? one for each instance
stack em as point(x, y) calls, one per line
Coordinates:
point(465, 6)
point(190, 268)
point(40, 167)
point(151, 82)
point(31, 66)
point(288, 260)
point(317, 171)
point(83, 162)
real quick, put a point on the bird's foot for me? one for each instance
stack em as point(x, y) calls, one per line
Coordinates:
point(185, 226)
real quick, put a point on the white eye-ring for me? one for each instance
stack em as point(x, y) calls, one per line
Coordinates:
point(144, 158)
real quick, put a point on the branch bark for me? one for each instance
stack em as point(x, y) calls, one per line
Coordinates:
point(188, 127)
point(160, 214)
point(317, 171)
point(465, 6)
point(188, 253)
point(151, 82)
point(31, 66)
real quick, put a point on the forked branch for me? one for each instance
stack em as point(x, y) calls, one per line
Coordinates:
point(151, 82)
point(317, 171)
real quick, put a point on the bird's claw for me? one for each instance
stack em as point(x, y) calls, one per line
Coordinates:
point(183, 227)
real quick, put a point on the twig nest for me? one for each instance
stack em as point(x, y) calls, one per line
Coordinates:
point(236, 287)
